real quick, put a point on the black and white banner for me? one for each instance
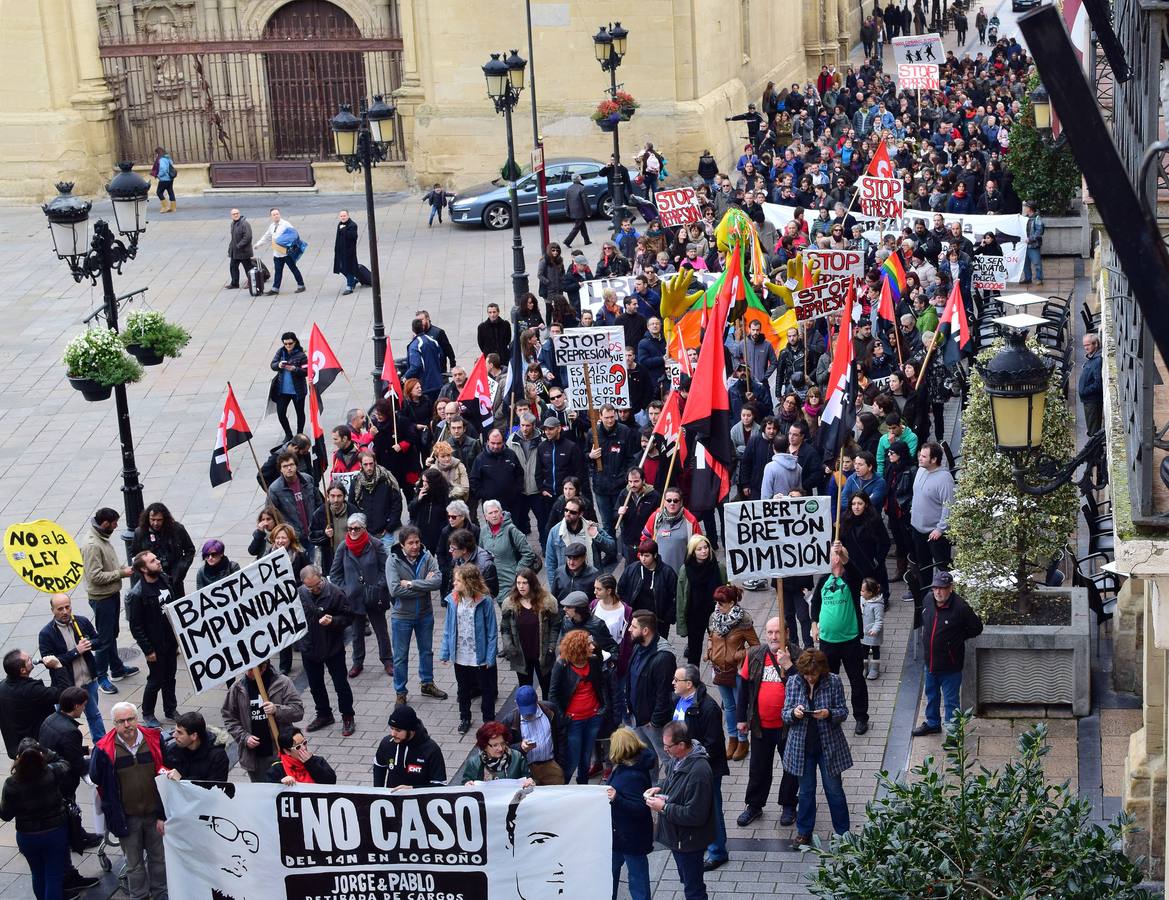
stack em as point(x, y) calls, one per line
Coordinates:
point(776, 538)
point(494, 841)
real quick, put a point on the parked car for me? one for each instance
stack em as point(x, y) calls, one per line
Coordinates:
point(489, 204)
point(1023, 5)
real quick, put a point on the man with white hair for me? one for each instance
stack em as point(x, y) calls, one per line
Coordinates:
point(122, 767)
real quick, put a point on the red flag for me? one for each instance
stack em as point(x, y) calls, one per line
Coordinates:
point(323, 366)
point(954, 315)
point(669, 426)
point(839, 414)
point(233, 430)
point(881, 166)
point(885, 309)
point(390, 374)
point(478, 387)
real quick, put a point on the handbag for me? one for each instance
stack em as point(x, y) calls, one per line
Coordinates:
point(537, 563)
point(75, 827)
point(376, 597)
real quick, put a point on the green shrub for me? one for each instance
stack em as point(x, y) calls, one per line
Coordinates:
point(1048, 175)
point(98, 354)
point(149, 328)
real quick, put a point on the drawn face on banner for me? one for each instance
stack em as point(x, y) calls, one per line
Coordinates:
point(538, 852)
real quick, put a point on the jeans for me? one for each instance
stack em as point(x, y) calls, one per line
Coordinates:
point(97, 727)
point(718, 847)
point(423, 632)
point(1034, 259)
point(487, 679)
point(833, 791)
point(727, 692)
point(105, 649)
point(941, 690)
point(581, 735)
point(638, 865)
point(606, 505)
point(145, 864)
point(282, 402)
point(281, 262)
point(315, 672)
point(689, 863)
point(377, 622)
point(47, 853)
point(434, 211)
point(160, 678)
point(761, 768)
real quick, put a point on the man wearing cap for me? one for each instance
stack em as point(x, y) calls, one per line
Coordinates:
point(574, 575)
point(558, 458)
point(538, 731)
point(948, 623)
point(327, 614)
point(753, 120)
point(577, 614)
point(408, 757)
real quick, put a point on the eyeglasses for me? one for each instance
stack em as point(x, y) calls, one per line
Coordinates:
point(452, 516)
point(303, 743)
point(555, 396)
point(673, 500)
point(231, 832)
point(127, 721)
point(572, 512)
point(355, 528)
point(212, 555)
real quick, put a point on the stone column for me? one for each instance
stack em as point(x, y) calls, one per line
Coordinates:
point(229, 16)
point(411, 95)
point(1128, 636)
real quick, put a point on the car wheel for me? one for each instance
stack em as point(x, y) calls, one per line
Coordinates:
point(497, 216)
point(605, 206)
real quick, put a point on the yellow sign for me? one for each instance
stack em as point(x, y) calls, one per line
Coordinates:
point(44, 555)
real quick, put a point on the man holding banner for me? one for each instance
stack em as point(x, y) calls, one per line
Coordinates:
point(252, 720)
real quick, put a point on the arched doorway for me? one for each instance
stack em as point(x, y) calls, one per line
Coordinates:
point(306, 86)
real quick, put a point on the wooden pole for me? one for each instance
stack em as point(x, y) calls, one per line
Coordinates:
point(897, 338)
point(669, 474)
point(592, 413)
point(271, 719)
point(629, 493)
point(925, 363)
point(839, 490)
point(394, 415)
point(782, 609)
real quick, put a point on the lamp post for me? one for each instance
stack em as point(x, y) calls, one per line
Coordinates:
point(69, 226)
point(362, 144)
point(609, 46)
point(1017, 380)
point(505, 80)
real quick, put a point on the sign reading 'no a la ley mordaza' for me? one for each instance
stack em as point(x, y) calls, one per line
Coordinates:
point(777, 538)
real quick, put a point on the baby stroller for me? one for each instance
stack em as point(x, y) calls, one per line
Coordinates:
point(992, 29)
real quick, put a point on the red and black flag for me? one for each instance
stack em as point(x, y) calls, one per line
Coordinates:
point(706, 420)
point(478, 393)
point(390, 375)
point(839, 415)
point(233, 430)
point(323, 369)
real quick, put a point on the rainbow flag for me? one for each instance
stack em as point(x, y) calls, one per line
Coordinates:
point(893, 270)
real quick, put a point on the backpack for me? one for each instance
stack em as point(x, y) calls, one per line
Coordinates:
point(171, 172)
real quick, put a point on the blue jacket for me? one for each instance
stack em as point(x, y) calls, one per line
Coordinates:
point(875, 487)
point(651, 356)
point(633, 826)
point(626, 242)
point(829, 694)
point(958, 204)
point(649, 304)
point(1091, 384)
point(486, 631)
point(424, 359)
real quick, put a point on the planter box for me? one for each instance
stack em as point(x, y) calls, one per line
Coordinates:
point(1029, 665)
point(1068, 235)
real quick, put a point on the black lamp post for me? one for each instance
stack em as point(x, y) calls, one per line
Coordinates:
point(362, 144)
point(1016, 380)
point(505, 80)
point(609, 46)
point(69, 226)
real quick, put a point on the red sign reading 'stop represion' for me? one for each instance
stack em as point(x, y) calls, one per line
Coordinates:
point(677, 207)
point(881, 198)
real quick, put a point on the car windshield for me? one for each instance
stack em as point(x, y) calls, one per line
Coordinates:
point(524, 172)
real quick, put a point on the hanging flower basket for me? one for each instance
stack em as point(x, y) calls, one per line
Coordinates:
point(611, 112)
point(609, 125)
point(96, 361)
point(151, 338)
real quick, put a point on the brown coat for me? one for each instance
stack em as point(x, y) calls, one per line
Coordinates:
point(237, 712)
point(726, 654)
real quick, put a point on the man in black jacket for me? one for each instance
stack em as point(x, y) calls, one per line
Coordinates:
point(327, 612)
point(327, 530)
point(651, 584)
point(494, 334)
point(193, 753)
point(650, 688)
point(556, 459)
point(436, 334)
point(408, 756)
point(684, 802)
point(704, 720)
point(70, 639)
point(616, 452)
point(496, 473)
point(578, 210)
point(375, 492)
point(294, 494)
point(26, 702)
point(947, 623)
point(152, 630)
point(575, 575)
point(578, 615)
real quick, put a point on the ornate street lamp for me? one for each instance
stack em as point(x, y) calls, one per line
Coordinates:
point(1041, 109)
point(361, 143)
point(609, 45)
point(505, 81)
point(129, 191)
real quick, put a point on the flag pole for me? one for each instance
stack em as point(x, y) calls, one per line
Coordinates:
point(264, 696)
point(839, 489)
point(394, 414)
point(897, 338)
point(592, 414)
point(629, 492)
point(925, 363)
point(669, 474)
point(259, 471)
point(782, 609)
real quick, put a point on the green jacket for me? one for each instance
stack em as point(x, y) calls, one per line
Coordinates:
point(928, 321)
point(517, 767)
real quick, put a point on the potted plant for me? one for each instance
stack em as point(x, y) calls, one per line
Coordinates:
point(627, 104)
point(1003, 539)
point(1044, 172)
point(96, 361)
point(150, 338)
point(957, 830)
point(612, 112)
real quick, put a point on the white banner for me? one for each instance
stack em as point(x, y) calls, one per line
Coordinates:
point(326, 842)
point(776, 538)
point(990, 273)
point(345, 479)
point(918, 77)
point(880, 198)
point(238, 622)
point(602, 350)
point(821, 299)
point(592, 297)
point(918, 48)
point(836, 263)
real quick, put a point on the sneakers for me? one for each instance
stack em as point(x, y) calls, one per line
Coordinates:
point(788, 816)
point(356, 670)
point(710, 865)
point(926, 728)
point(749, 815)
point(320, 722)
point(874, 670)
point(464, 726)
point(800, 841)
point(299, 289)
point(125, 673)
point(150, 722)
point(103, 685)
point(270, 293)
point(346, 292)
point(430, 689)
point(401, 698)
point(347, 726)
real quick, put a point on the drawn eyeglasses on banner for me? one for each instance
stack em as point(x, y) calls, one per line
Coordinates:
point(231, 832)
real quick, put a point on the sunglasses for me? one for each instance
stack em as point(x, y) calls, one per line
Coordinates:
point(355, 528)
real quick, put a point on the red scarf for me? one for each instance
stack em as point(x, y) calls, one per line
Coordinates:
point(294, 768)
point(357, 545)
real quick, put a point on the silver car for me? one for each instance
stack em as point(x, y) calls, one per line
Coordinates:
point(489, 204)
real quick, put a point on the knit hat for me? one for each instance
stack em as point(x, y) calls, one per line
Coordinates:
point(404, 718)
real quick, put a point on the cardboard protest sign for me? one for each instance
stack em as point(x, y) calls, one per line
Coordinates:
point(238, 622)
point(918, 77)
point(989, 273)
point(821, 299)
point(345, 479)
point(44, 555)
point(489, 841)
point(677, 207)
point(777, 538)
point(918, 48)
point(836, 263)
point(603, 350)
point(880, 198)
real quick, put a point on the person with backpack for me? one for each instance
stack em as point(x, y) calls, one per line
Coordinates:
point(287, 248)
point(651, 168)
point(164, 170)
